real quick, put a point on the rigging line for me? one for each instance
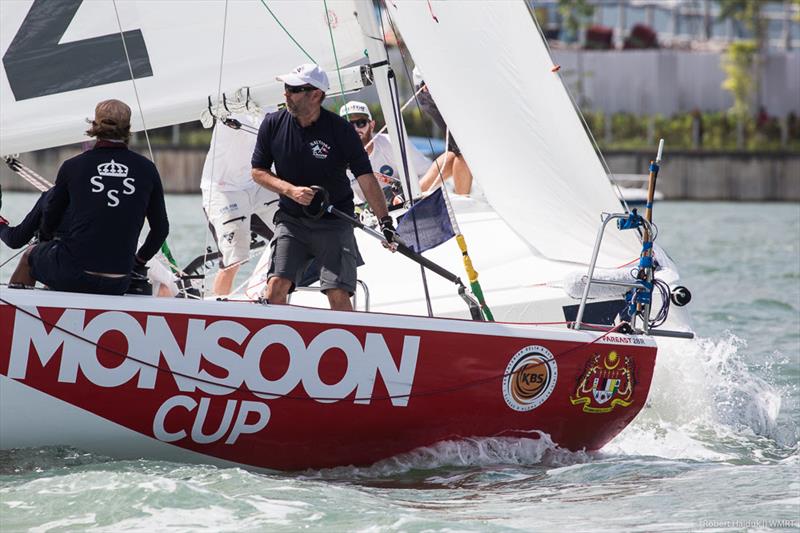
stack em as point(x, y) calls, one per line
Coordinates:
point(472, 274)
point(386, 126)
point(398, 118)
point(335, 55)
point(214, 145)
point(7, 261)
point(28, 175)
point(236, 391)
point(287, 31)
point(133, 82)
point(164, 246)
point(585, 124)
point(410, 78)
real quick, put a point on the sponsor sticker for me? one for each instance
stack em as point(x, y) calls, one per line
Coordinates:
point(530, 378)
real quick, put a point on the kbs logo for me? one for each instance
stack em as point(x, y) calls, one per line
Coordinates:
point(530, 378)
point(173, 371)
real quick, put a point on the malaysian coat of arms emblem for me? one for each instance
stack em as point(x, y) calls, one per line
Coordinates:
point(607, 382)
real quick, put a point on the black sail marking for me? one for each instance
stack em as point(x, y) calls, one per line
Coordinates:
point(37, 65)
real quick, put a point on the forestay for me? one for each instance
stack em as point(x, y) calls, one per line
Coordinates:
point(61, 58)
point(490, 73)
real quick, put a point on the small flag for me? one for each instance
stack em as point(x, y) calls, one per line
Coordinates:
point(433, 226)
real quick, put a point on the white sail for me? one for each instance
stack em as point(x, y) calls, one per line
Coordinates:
point(490, 73)
point(61, 58)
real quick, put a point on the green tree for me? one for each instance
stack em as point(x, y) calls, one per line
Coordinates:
point(748, 12)
point(739, 63)
point(575, 14)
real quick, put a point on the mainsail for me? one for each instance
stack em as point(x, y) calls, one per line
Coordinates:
point(61, 57)
point(491, 75)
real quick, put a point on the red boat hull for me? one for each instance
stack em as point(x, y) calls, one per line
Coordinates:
point(293, 388)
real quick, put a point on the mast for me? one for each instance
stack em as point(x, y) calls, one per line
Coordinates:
point(385, 83)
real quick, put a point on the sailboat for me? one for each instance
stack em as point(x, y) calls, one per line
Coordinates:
point(294, 387)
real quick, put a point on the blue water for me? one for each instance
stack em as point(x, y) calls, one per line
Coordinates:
point(716, 449)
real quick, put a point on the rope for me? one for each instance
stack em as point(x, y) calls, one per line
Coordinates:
point(238, 392)
point(287, 31)
point(214, 143)
point(386, 126)
point(164, 246)
point(472, 274)
point(7, 261)
point(335, 56)
point(133, 82)
point(39, 182)
point(398, 118)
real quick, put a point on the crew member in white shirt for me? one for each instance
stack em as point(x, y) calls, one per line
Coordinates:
point(379, 149)
point(231, 198)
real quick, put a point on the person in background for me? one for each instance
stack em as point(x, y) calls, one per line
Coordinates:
point(381, 157)
point(450, 163)
point(310, 146)
point(109, 191)
point(233, 203)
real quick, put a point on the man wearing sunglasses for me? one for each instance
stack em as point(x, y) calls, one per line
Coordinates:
point(308, 146)
point(379, 148)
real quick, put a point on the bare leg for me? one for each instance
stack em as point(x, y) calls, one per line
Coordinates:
point(224, 280)
point(339, 300)
point(277, 290)
point(462, 176)
point(22, 274)
point(431, 178)
point(163, 291)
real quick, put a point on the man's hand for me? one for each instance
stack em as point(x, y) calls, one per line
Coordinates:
point(387, 228)
point(301, 195)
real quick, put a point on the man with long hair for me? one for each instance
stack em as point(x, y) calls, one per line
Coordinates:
point(109, 191)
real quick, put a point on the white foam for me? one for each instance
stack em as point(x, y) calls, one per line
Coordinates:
point(703, 394)
point(465, 453)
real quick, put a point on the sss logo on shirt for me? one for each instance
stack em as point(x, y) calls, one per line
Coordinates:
point(115, 171)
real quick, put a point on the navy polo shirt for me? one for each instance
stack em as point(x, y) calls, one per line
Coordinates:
point(317, 155)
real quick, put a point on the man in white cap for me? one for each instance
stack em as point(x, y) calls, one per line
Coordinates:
point(233, 203)
point(379, 148)
point(310, 146)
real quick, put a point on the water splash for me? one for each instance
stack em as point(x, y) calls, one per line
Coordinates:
point(471, 452)
point(708, 403)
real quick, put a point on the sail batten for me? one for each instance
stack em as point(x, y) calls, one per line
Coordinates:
point(489, 71)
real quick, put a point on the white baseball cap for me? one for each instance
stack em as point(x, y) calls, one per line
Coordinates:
point(355, 108)
point(306, 74)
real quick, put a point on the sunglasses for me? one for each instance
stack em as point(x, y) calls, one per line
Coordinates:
point(294, 89)
point(360, 123)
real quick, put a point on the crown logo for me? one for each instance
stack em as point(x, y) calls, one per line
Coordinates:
point(112, 170)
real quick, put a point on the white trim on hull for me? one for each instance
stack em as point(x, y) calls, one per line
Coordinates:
point(56, 422)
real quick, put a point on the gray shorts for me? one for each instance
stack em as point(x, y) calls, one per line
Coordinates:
point(299, 240)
